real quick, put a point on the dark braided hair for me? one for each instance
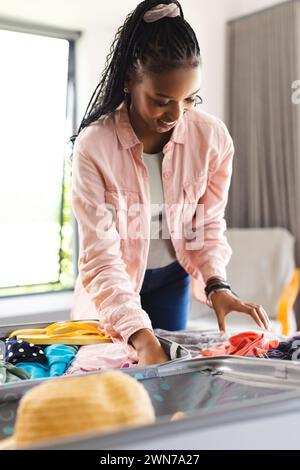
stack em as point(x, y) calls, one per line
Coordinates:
point(162, 45)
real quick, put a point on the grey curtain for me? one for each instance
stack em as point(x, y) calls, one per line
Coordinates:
point(263, 57)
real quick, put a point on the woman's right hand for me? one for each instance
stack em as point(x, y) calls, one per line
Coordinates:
point(148, 348)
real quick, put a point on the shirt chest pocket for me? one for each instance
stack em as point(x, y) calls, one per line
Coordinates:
point(125, 207)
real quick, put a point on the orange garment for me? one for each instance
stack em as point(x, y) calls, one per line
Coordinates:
point(249, 343)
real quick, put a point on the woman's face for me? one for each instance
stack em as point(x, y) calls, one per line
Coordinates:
point(159, 100)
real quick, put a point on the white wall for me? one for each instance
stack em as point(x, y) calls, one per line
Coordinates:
point(90, 59)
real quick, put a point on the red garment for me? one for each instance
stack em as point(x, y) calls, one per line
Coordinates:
point(249, 343)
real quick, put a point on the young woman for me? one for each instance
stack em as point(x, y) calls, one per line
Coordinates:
point(143, 155)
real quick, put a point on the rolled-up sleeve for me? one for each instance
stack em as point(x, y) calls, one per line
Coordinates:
point(216, 252)
point(101, 267)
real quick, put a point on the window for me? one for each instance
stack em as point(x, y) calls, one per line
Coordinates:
point(37, 118)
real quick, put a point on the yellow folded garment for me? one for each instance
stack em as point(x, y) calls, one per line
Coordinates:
point(80, 333)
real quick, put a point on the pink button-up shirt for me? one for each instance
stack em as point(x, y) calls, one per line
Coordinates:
point(111, 202)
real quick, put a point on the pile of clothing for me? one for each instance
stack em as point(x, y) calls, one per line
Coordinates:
point(71, 348)
point(63, 348)
point(246, 344)
point(39, 361)
point(249, 343)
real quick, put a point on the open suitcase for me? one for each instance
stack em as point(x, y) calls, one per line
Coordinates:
point(215, 393)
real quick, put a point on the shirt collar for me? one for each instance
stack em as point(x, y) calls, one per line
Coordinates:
point(127, 135)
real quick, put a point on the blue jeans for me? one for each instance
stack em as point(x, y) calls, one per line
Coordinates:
point(165, 296)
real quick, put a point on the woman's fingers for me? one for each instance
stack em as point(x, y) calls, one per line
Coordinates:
point(262, 314)
point(265, 316)
point(221, 323)
point(258, 314)
point(248, 308)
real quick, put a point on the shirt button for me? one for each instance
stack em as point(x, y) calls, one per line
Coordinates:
point(166, 175)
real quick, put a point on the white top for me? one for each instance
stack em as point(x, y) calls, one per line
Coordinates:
point(161, 252)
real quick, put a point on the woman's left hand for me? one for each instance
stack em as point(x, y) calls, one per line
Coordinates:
point(226, 302)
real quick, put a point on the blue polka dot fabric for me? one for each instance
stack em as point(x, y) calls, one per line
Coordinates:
point(21, 351)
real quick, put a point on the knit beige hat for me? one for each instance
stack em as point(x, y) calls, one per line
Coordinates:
point(78, 405)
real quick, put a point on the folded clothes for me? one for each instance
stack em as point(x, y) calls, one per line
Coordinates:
point(59, 358)
point(10, 373)
point(102, 357)
point(288, 350)
point(248, 343)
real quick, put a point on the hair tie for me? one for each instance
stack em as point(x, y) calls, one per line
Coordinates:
point(161, 11)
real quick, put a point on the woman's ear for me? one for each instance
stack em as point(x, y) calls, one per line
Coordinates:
point(131, 78)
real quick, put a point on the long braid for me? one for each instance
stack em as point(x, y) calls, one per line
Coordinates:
point(167, 43)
